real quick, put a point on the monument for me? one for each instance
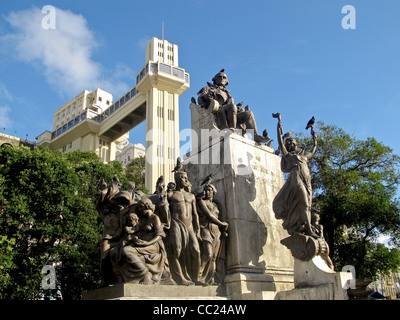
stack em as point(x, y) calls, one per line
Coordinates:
point(216, 231)
point(255, 197)
point(247, 176)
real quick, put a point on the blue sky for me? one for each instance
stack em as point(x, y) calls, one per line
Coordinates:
point(291, 57)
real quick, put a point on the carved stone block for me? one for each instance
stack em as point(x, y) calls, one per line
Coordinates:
point(247, 176)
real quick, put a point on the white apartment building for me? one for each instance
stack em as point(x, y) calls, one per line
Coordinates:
point(86, 105)
point(127, 151)
point(94, 102)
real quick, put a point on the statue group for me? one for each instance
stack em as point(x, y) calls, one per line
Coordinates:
point(169, 237)
point(175, 236)
point(294, 201)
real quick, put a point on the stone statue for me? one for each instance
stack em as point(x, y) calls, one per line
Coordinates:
point(140, 256)
point(159, 199)
point(184, 233)
point(212, 232)
point(109, 210)
point(155, 238)
point(132, 247)
point(323, 249)
point(217, 100)
point(293, 201)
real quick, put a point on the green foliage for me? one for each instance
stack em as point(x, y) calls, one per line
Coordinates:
point(6, 261)
point(48, 217)
point(355, 184)
point(381, 260)
point(135, 171)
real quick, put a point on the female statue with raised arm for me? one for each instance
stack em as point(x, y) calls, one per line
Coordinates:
point(293, 201)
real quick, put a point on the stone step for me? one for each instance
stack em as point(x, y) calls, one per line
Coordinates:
point(129, 291)
point(173, 298)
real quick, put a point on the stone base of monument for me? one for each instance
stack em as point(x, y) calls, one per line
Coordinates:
point(247, 177)
point(133, 291)
point(314, 280)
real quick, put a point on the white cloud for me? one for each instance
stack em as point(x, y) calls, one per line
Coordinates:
point(5, 96)
point(115, 83)
point(5, 121)
point(4, 93)
point(63, 55)
point(384, 239)
point(143, 42)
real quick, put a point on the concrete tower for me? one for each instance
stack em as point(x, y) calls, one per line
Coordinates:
point(163, 85)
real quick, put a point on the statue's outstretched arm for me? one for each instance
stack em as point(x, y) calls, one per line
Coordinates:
point(314, 149)
point(279, 134)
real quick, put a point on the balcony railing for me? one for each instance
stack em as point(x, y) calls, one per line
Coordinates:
point(89, 114)
point(155, 67)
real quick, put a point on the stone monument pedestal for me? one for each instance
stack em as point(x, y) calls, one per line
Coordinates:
point(133, 291)
point(314, 280)
point(247, 176)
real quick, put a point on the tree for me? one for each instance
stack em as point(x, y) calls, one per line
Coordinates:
point(135, 171)
point(48, 217)
point(355, 184)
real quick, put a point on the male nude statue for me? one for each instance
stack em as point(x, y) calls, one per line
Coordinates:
point(183, 245)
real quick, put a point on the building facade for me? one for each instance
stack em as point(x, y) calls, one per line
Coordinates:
point(388, 285)
point(93, 122)
point(127, 151)
point(13, 141)
point(73, 131)
point(163, 84)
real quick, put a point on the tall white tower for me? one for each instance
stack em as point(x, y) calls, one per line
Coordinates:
point(164, 82)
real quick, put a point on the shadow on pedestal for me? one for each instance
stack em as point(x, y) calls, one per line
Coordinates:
point(247, 176)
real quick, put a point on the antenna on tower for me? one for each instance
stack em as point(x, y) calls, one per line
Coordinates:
point(163, 31)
